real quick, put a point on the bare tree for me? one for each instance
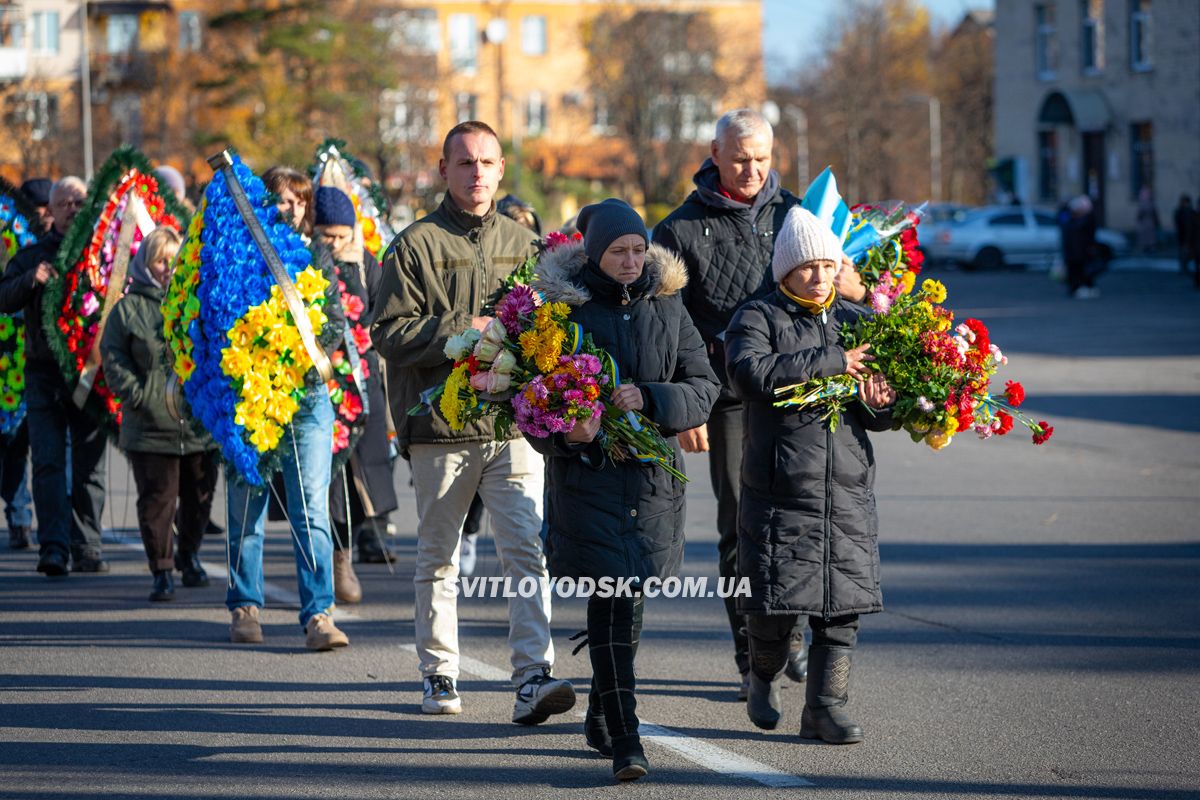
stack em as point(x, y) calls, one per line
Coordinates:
point(655, 75)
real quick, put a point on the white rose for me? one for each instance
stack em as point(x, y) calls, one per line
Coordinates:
point(459, 346)
point(504, 362)
point(495, 332)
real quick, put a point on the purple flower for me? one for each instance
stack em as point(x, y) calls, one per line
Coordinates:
point(517, 303)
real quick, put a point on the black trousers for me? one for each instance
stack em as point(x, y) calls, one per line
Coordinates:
point(614, 626)
point(725, 434)
point(162, 481)
point(771, 634)
point(68, 497)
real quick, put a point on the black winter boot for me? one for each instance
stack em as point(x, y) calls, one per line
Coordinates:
point(164, 587)
point(193, 571)
point(825, 716)
point(595, 731)
point(371, 548)
point(767, 661)
point(611, 647)
point(797, 662)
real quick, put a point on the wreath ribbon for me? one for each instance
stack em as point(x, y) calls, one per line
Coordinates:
point(135, 216)
point(223, 162)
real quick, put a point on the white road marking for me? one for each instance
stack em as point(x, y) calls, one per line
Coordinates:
point(699, 752)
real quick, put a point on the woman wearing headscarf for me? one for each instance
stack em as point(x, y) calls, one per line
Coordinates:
point(621, 519)
point(173, 462)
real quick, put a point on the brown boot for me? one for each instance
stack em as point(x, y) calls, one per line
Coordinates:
point(245, 627)
point(323, 634)
point(346, 588)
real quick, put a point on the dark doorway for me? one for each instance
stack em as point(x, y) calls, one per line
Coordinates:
point(1093, 171)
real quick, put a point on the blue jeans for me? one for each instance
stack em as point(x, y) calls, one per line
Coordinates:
point(307, 450)
point(14, 477)
point(68, 450)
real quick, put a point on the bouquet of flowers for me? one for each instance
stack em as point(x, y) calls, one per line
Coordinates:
point(123, 205)
point(880, 239)
point(941, 373)
point(336, 168)
point(534, 368)
point(16, 216)
point(237, 350)
point(883, 244)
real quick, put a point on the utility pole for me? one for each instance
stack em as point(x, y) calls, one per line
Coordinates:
point(85, 91)
point(935, 149)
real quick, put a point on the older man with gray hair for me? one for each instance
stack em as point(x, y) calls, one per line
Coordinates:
point(725, 232)
point(68, 526)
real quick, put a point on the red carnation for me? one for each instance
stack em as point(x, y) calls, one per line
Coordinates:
point(1015, 392)
point(1043, 432)
point(1006, 423)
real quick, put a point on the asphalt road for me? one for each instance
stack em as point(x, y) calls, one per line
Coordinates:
point(1041, 638)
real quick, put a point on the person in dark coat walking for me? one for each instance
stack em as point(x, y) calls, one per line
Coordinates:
point(362, 493)
point(621, 519)
point(61, 436)
point(725, 233)
point(1079, 249)
point(172, 461)
point(807, 526)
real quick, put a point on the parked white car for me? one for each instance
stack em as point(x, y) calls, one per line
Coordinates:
point(996, 236)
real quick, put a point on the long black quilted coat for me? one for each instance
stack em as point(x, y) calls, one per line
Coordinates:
point(625, 519)
point(807, 525)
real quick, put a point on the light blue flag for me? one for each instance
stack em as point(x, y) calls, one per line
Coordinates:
point(823, 200)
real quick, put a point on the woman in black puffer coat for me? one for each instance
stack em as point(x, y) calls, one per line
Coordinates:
point(807, 527)
point(622, 519)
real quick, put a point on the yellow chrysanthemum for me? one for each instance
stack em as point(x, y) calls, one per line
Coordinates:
point(937, 439)
point(451, 403)
point(906, 282)
point(933, 290)
point(310, 284)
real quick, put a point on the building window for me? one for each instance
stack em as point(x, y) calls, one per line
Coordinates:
point(412, 119)
point(464, 42)
point(45, 32)
point(602, 124)
point(535, 114)
point(190, 34)
point(1091, 45)
point(1141, 157)
point(1048, 166)
point(1141, 36)
point(122, 31)
point(412, 30)
point(12, 29)
point(533, 36)
point(38, 111)
point(466, 107)
point(1046, 41)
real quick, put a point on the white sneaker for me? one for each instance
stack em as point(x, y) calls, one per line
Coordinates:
point(540, 696)
point(441, 696)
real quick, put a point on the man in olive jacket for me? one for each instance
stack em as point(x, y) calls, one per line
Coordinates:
point(438, 275)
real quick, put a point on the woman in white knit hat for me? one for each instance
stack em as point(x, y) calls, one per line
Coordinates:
point(807, 527)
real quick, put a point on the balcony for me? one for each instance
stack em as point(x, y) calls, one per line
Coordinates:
point(14, 63)
point(128, 70)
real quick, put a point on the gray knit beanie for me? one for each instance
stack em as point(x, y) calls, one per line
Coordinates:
point(603, 223)
point(803, 238)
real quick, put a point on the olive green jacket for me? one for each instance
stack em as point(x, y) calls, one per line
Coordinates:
point(438, 273)
point(136, 368)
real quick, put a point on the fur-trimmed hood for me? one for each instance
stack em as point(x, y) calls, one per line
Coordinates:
point(559, 274)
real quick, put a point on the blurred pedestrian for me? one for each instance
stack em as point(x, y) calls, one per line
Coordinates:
point(362, 492)
point(1079, 249)
point(59, 431)
point(807, 525)
point(424, 301)
point(14, 484)
point(725, 233)
point(1185, 232)
point(1147, 221)
point(622, 519)
point(305, 469)
point(174, 463)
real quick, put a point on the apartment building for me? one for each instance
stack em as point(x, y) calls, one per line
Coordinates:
point(1099, 97)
